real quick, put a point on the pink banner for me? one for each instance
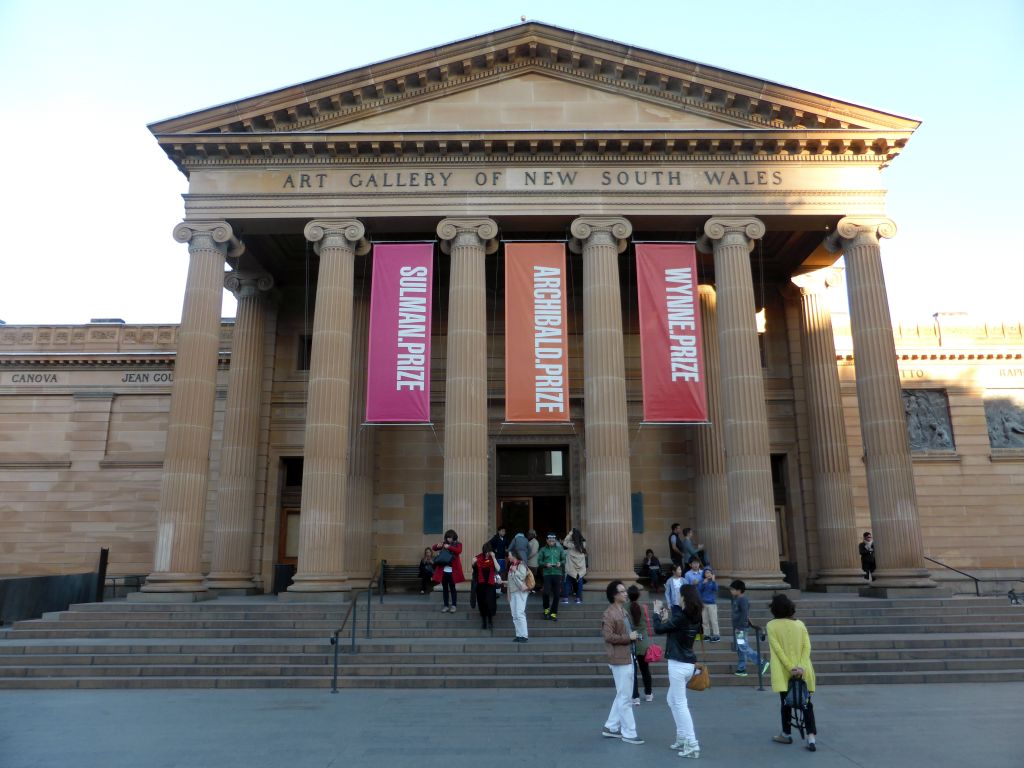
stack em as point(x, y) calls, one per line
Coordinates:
point(671, 352)
point(398, 378)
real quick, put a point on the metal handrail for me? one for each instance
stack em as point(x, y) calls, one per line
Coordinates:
point(977, 579)
point(335, 641)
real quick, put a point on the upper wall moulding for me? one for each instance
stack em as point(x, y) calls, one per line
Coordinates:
point(788, 119)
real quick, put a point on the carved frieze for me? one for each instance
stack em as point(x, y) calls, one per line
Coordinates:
point(1004, 415)
point(928, 424)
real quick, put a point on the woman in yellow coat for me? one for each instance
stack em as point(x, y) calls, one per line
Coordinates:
point(791, 657)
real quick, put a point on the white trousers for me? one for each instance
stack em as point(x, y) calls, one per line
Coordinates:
point(711, 620)
point(620, 716)
point(517, 604)
point(679, 673)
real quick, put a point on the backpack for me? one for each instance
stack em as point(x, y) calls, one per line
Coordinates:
point(798, 699)
point(529, 582)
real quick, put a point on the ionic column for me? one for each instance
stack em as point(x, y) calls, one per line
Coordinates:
point(830, 462)
point(891, 493)
point(468, 241)
point(322, 524)
point(236, 491)
point(755, 546)
point(608, 523)
point(177, 561)
point(361, 445)
point(711, 494)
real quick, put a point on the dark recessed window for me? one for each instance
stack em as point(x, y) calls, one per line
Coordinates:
point(305, 352)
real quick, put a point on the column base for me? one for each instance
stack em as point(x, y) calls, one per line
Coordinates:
point(598, 582)
point(315, 597)
point(235, 591)
point(310, 584)
point(762, 582)
point(173, 583)
point(838, 580)
point(170, 597)
point(231, 581)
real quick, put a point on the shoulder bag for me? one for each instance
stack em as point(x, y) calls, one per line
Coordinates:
point(653, 652)
point(443, 558)
point(701, 679)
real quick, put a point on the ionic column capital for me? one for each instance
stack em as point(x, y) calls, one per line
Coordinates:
point(816, 282)
point(245, 284)
point(859, 230)
point(730, 231)
point(479, 232)
point(607, 230)
point(337, 233)
point(214, 235)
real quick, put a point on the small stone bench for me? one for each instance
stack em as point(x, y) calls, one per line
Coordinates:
point(394, 577)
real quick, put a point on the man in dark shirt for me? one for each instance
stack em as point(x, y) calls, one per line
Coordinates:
point(675, 545)
point(499, 543)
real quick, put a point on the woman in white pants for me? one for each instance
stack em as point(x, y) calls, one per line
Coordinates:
point(681, 630)
point(517, 596)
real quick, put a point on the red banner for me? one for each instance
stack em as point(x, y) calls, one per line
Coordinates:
point(398, 377)
point(536, 334)
point(671, 352)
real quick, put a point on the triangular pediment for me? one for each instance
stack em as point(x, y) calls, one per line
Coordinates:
point(652, 88)
point(536, 102)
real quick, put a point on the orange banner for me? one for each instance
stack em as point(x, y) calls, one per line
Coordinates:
point(536, 334)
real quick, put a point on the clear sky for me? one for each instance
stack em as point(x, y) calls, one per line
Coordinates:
point(90, 199)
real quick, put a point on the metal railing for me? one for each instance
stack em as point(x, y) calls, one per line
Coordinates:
point(976, 579)
point(351, 614)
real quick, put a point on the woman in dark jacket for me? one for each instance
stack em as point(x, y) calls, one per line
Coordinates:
point(681, 630)
point(485, 569)
point(449, 575)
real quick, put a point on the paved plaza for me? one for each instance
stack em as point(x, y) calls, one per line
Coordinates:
point(967, 726)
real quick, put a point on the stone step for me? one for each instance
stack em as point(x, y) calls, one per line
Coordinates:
point(450, 681)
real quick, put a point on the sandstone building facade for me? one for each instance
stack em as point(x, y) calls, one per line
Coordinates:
point(206, 453)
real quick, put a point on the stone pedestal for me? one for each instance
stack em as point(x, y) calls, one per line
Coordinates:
point(467, 241)
point(323, 521)
point(607, 512)
point(236, 492)
point(894, 518)
point(755, 547)
point(177, 560)
point(833, 497)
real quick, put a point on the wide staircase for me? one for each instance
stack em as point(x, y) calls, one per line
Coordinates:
point(260, 642)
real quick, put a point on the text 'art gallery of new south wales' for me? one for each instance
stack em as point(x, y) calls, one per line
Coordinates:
point(532, 279)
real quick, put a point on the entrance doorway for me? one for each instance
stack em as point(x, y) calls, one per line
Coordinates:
point(544, 514)
point(533, 489)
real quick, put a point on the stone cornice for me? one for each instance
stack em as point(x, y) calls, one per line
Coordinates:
point(533, 47)
point(212, 150)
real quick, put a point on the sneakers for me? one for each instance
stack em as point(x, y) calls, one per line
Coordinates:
point(444, 609)
point(811, 747)
point(677, 744)
point(632, 740)
point(519, 640)
point(714, 639)
point(564, 601)
point(690, 749)
point(635, 702)
point(765, 666)
point(649, 697)
point(547, 614)
point(740, 673)
point(609, 734)
point(782, 739)
point(579, 601)
point(553, 617)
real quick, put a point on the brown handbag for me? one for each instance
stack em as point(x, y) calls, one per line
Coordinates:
point(701, 679)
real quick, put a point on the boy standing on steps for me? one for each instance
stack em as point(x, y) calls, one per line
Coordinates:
point(551, 561)
point(740, 625)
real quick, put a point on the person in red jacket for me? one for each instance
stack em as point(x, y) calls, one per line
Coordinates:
point(449, 575)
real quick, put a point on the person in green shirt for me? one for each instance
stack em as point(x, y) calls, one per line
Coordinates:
point(551, 561)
